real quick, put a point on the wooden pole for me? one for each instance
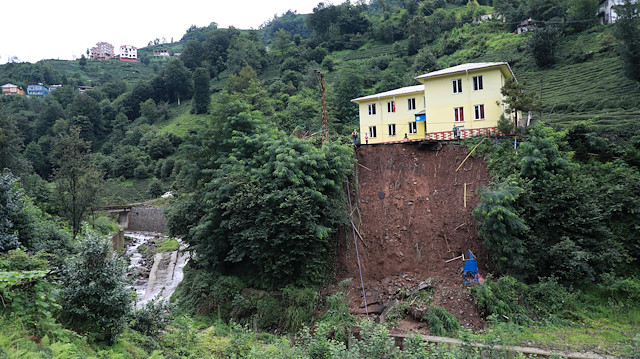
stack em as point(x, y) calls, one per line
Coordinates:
point(465, 159)
point(323, 104)
point(465, 195)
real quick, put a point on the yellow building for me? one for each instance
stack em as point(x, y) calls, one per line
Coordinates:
point(464, 98)
point(388, 116)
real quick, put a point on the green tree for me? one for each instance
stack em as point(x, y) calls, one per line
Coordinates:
point(83, 61)
point(10, 143)
point(177, 80)
point(155, 188)
point(78, 183)
point(502, 228)
point(543, 45)
point(95, 293)
point(201, 93)
point(282, 41)
point(244, 50)
point(627, 31)
point(349, 86)
point(517, 99)
point(193, 55)
point(288, 189)
point(583, 13)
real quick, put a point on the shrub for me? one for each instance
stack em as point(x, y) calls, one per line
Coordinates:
point(549, 299)
point(501, 299)
point(621, 290)
point(152, 317)
point(441, 322)
point(299, 303)
point(95, 295)
point(268, 312)
point(398, 311)
point(141, 172)
point(155, 188)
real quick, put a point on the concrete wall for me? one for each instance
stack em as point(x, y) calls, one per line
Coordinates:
point(147, 219)
point(118, 240)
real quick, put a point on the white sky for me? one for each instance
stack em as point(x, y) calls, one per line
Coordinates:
point(61, 29)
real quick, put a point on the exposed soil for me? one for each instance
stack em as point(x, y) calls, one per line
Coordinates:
point(410, 218)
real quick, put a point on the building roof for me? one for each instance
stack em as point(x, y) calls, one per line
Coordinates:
point(466, 67)
point(400, 91)
point(8, 85)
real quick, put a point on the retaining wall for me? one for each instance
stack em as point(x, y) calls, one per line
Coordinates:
point(147, 219)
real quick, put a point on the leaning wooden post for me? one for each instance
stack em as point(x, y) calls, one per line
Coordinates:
point(470, 154)
point(323, 104)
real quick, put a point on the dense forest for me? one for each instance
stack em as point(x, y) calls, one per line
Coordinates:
point(232, 128)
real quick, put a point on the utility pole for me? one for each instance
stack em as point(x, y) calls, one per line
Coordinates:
point(323, 102)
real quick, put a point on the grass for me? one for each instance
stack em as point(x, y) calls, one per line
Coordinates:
point(183, 121)
point(168, 245)
point(604, 327)
point(128, 191)
point(95, 71)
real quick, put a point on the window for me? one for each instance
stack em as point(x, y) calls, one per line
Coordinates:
point(372, 131)
point(457, 85)
point(391, 106)
point(458, 114)
point(392, 129)
point(411, 104)
point(413, 128)
point(372, 109)
point(477, 83)
point(478, 112)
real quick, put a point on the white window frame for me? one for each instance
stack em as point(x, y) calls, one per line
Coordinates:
point(478, 112)
point(372, 108)
point(458, 114)
point(413, 127)
point(478, 83)
point(372, 132)
point(456, 86)
point(391, 106)
point(411, 103)
point(392, 129)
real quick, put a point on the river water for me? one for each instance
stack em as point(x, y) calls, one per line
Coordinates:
point(157, 278)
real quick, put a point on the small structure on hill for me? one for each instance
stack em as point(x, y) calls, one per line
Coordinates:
point(128, 53)
point(11, 90)
point(527, 25)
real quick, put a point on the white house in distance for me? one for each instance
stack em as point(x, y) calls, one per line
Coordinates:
point(607, 10)
point(128, 53)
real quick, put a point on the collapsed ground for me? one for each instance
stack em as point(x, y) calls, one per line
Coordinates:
point(411, 218)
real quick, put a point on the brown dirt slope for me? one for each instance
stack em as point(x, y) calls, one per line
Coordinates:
point(410, 218)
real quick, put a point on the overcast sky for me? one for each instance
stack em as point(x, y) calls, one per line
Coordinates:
point(61, 29)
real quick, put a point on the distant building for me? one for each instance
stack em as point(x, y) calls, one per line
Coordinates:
point(527, 25)
point(11, 90)
point(83, 88)
point(607, 10)
point(166, 53)
point(102, 51)
point(492, 16)
point(38, 90)
point(128, 53)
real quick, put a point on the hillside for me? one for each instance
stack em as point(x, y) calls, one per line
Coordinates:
point(411, 219)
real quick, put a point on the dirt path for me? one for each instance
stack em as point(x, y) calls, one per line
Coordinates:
point(411, 218)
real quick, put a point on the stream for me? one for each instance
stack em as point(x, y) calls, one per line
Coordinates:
point(157, 278)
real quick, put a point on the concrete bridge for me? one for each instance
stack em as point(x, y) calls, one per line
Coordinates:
point(135, 217)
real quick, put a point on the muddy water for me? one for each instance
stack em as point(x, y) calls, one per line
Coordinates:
point(157, 278)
